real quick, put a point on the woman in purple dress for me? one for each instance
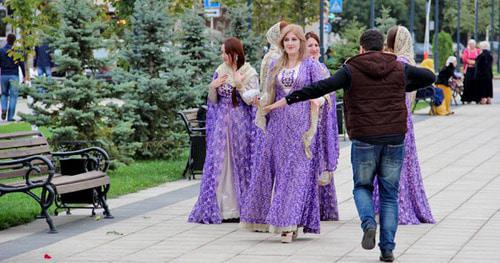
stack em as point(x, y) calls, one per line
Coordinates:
point(283, 193)
point(413, 204)
point(328, 205)
point(226, 173)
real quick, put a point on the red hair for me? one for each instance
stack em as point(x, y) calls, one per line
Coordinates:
point(234, 48)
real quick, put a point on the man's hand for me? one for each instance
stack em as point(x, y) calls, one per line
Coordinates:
point(278, 104)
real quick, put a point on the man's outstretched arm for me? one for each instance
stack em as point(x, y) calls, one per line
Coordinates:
point(417, 78)
point(341, 79)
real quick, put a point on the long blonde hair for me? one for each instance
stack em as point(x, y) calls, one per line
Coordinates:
point(283, 60)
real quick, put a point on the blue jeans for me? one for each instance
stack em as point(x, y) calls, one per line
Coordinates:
point(384, 160)
point(9, 95)
point(43, 71)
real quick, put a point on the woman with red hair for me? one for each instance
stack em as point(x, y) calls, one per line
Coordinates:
point(226, 172)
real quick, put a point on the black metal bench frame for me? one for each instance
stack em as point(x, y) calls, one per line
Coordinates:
point(28, 156)
point(197, 142)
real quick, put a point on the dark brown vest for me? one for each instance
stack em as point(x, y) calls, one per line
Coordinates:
point(375, 103)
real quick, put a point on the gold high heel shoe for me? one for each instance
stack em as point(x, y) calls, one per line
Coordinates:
point(286, 237)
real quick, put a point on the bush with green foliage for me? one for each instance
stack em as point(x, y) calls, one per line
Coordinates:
point(348, 46)
point(445, 48)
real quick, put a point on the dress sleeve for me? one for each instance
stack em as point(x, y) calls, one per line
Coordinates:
point(251, 86)
point(212, 93)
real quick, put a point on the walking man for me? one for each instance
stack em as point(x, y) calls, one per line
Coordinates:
point(9, 78)
point(374, 86)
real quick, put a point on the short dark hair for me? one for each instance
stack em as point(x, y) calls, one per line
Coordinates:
point(372, 40)
point(11, 38)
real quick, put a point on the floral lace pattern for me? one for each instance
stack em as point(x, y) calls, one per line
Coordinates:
point(284, 192)
point(222, 118)
point(413, 204)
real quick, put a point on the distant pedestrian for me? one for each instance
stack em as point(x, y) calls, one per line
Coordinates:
point(43, 60)
point(469, 59)
point(484, 73)
point(9, 78)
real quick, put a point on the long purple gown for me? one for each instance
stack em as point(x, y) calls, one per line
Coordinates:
point(413, 204)
point(284, 192)
point(225, 124)
point(328, 205)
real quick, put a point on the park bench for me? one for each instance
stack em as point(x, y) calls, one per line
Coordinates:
point(425, 94)
point(74, 179)
point(194, 122)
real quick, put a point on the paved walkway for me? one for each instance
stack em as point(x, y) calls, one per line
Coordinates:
point(460, 162)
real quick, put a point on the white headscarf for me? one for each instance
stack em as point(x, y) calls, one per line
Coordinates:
point(273, 37)
point(274, 53)
point(403, 45)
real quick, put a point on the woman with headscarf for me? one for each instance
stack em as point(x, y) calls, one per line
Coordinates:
point(227, 168)
point(413, 204)
point(484, 73)
point(283, 194)
point(328, 204)
point(469, 56)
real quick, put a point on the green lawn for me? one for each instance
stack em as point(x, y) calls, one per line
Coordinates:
point(16, 209)
point(21, 126)
point(421, 105)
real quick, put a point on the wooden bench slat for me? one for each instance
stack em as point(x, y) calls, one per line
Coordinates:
point(21, 172)
point(22, 143)
point(19, 134)
point(19, 153)
point(68, 188)
point(69, 179)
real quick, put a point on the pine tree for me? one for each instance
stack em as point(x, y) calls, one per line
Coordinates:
point(385, 21)
point(348, 46)
point(157, 82)
point(239, 28)
point(73, 108)
point(194, 43)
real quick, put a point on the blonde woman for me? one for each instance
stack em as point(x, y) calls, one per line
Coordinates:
point(283, 194)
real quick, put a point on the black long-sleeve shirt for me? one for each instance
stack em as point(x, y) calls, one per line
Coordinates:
point(415, 78)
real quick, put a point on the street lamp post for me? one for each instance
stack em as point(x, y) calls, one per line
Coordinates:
point(436, 35)
point(459, 9)
point(321, 30)
point(412, 18)
point(476, 11)
point(372, 13)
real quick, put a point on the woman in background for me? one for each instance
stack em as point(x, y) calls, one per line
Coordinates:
point(328, 205)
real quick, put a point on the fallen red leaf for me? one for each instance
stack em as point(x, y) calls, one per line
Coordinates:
point(47, 256)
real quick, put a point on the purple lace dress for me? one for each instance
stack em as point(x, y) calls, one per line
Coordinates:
point(228, 159)
point(413, 204)
point(284, 191)
point(328, 205)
